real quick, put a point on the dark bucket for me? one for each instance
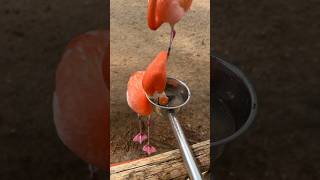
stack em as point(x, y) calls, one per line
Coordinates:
point(233, 104)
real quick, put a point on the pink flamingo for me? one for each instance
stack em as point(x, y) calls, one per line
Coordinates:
point(166, 11)
point(150, 82)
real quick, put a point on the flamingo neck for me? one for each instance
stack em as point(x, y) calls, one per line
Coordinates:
point(153, 22)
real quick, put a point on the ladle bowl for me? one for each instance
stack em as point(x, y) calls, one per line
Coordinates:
point(178, 93)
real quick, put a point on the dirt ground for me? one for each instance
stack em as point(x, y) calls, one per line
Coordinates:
point(133, 47)
point(33, 35)
point(276, 43)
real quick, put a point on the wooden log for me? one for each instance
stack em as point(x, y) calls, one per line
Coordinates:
point(167, 165)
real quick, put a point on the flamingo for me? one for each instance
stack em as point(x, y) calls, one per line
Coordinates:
point(139, 103)
point(150, 82)
point(81, 101)
point(166, 11)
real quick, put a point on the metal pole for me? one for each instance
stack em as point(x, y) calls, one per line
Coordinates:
point(187, 155)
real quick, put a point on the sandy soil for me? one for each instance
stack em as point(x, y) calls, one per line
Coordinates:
point(276, 43)
point(133, 46)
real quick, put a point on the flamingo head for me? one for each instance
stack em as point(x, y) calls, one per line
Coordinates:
point(155, 78)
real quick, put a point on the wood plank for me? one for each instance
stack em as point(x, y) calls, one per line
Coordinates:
point(167, 165)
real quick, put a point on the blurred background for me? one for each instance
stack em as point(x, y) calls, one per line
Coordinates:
point(33, 36)
point(276, 44)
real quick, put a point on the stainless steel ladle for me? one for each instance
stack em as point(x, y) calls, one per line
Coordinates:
point(179, 95)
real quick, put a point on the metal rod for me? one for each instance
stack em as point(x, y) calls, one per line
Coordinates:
point(187, 155)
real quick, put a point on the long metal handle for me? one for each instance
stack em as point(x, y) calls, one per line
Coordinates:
point(188, 158)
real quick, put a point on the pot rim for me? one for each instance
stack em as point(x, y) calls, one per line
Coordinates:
point(254, 103)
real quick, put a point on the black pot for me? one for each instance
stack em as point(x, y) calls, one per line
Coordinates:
point(233, 104)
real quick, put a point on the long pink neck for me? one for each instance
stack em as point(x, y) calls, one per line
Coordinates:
point(153, 22)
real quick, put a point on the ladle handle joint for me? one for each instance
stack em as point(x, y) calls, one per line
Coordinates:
point(187, 155)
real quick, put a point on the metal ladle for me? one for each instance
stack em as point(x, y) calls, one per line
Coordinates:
point(179, 95)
